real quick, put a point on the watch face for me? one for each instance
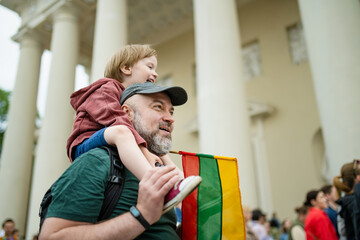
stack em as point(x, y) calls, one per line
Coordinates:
point(135, 211)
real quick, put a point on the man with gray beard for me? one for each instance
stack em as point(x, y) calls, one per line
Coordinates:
point(156, 144)
point(78, 194)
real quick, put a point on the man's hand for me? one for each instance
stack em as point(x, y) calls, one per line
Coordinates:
point(153, 187)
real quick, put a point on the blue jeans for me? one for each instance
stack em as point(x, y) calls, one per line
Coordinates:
point(96, 140)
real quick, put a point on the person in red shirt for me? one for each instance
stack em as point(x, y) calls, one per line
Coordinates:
point(317, 224)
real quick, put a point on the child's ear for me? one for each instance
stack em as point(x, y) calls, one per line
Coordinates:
point(126, 70)
point(128, 111)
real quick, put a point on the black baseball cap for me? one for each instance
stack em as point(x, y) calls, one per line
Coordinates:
point(177, 95)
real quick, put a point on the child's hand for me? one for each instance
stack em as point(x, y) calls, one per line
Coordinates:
point(152, 158)
point(168, 162)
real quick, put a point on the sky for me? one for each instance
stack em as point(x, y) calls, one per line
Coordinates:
point(9, 57)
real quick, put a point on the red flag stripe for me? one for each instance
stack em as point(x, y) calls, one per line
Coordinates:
point(189, 207)
point(187, 153)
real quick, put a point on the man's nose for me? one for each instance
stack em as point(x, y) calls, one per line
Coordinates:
point(168, 118)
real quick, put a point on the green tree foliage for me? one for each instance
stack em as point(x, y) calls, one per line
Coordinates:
point(4, 107)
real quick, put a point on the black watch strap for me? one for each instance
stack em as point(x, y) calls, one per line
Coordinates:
point(136, 213)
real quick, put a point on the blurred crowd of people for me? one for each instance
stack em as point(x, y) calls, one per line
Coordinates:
point(329, 213)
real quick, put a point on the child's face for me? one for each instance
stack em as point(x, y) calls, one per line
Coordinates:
point(144, 70)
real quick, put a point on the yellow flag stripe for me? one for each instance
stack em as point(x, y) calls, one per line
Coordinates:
point(233, 226)
point(225, 158)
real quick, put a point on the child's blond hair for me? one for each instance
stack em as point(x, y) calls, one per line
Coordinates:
point(127, 56)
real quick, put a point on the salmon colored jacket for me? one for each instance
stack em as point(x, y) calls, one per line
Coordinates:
point(97, 106)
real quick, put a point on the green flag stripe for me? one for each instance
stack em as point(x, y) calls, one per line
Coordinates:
point(205, 155)
point(209, 200)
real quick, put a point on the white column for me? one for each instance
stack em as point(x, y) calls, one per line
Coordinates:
point(262, 168)
point(332, 33)
point(222, 104)
point(17, 155)
point(51, 158)
point(110, 34)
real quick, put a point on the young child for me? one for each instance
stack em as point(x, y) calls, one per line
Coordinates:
point(100, 121)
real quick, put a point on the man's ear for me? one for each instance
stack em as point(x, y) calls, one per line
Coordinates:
point(129, 112)
point(126, 70)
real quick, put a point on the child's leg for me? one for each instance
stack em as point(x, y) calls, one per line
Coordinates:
point(96, 140)
point(129, 152)
point(151, 158)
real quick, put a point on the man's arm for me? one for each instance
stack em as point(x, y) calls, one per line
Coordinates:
point(155, 184)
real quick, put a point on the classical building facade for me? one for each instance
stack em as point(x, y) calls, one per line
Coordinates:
point(274, 83)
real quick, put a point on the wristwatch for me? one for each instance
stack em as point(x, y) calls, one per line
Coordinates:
point(136, 213)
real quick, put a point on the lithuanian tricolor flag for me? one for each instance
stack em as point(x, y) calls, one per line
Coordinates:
point(213, 210)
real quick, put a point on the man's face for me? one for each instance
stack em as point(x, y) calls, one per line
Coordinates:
point(153, 120)
point(9, 228)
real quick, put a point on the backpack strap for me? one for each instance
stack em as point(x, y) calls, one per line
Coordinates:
point(115, 183)
point(44, 206)
point(112, 192)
